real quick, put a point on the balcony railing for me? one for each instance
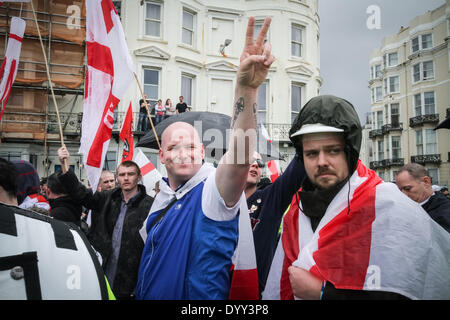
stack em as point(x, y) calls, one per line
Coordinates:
point(392, 127)
point(426, 158)
point(386, 163)
point(278, 131)
point(375, 133)
point(374, 165)
point(397, 162)
point(421, 120)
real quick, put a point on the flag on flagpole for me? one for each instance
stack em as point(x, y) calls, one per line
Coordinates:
point(126, 135)
point(150, 175)
point(273, 166)
point(8, 70)
point(109, 73)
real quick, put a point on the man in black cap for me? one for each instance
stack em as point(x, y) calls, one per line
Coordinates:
point(347, 234)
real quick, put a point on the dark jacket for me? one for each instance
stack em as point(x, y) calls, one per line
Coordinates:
point(106, 205)
point(65, 209)
point(267, 207)
point(438, 207)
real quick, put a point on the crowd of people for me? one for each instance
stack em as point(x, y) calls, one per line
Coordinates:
point(345, 234)
point(159, 111)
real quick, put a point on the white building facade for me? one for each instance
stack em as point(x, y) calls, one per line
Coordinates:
point(409, 83)
point(176, 49)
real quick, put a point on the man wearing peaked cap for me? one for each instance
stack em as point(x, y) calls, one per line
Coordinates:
point(347, 232)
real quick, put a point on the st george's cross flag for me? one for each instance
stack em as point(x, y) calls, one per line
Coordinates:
point(273, 166)
point(109, 73)
point(371, 237)
point(8, 70)
point(126, 135)
point(150, 175)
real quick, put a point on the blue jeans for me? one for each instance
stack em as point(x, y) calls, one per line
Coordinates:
point(159, 119)
point(143, 123)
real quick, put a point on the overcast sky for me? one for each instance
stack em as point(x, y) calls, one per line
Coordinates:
point(346, 42)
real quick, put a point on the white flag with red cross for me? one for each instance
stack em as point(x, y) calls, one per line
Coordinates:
point(8, 69)
point(273, 166)
point(109, 73)
point(150, 175)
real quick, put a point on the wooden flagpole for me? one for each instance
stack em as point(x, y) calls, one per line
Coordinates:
point(148, 112)
point(50, 84)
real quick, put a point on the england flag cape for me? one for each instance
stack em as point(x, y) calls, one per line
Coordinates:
point(385, 242)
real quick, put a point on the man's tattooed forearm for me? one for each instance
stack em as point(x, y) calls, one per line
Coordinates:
point(239, 107)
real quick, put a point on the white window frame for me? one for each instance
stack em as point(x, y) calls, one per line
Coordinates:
point(300, 43)
point(420, 42)
point(399, 148)
point(422, 106)
point(160, 21)
point(153, 100)
point(388, 58)
point(193, 30)
point(295, 112)
point(264, 111)
point(193, 78)
point(378, 95)
point(418, 69)
point(391, 84)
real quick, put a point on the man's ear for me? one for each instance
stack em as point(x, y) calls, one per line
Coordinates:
point(161, 154)
point(426, 180)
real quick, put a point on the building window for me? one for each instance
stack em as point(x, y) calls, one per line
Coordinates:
point(118, 5)
point(153, 15)
point(419, 142)
point(296, 100)
point(110, 161)
point(187, 36)
point(430, 141)
point(262, 103)
point(434, 175)
point(395, 114)
point(151, 85)
point(416, 72)
point(380, 150)
point(396, 147)
point(427, 41)
point(423, 71)
point(415, 44)
point(428, 70)
point(426, 100)
point(258, 26)
point(418, 104)
point(381, 175)
point(390, 59)
point(378, 94)
point(379, 119)
point(424, 41)
point(187, 85)
point(378, 71)
point(394, 84)
point(296, 40)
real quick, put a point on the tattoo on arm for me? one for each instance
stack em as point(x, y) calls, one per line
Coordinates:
point(239, 107)
point(255, 108)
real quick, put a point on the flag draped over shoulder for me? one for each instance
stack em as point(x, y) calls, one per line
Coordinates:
point(273, 166)
point(126, 135)
point(109, 73)
point(150, 175)
point(244, 281)
point(8, 70)
point(386, 242)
